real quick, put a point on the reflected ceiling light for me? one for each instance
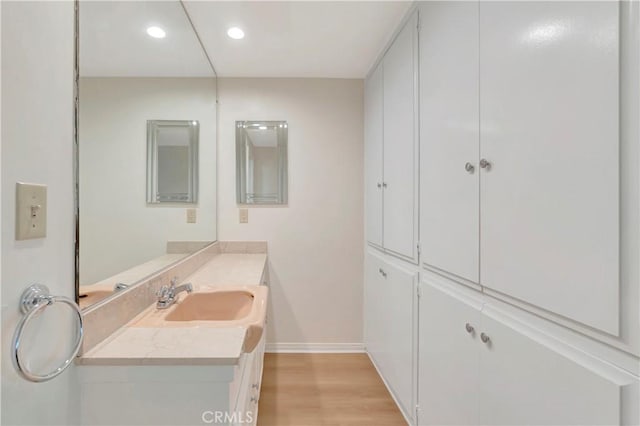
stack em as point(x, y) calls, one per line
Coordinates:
point(156, 32)
point(235, 33)
point(262, 127)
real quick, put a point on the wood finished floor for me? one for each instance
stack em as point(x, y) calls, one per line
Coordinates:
point(324, 390)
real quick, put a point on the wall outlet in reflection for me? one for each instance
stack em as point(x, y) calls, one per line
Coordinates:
point(191, 215)
point(244, 215)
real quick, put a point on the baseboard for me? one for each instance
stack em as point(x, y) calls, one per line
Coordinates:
point(338, 348)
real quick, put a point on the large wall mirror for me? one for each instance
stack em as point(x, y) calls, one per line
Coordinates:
point(144, 201)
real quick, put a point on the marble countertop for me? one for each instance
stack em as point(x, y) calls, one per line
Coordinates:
point(189, 345)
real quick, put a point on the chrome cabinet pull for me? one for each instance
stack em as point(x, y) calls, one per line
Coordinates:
point(384, 184)
point(255, 386)
point(379, 185)
point(485, 164)
point(382, 272)
point(469, 328)
point(484, 338)
point(254, 399)
point(469, 168)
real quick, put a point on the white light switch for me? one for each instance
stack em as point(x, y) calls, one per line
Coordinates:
point(244, 216)
point(31, 211)
point(191, 215)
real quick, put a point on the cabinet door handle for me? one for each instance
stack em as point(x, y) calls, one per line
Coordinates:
point(382, 272)
point(254, 399)
point(469, 328)
point(384, 184)
point(485, 164)
point(255, 386)
point(469, 168)
point(379, 185)
point(484, 338)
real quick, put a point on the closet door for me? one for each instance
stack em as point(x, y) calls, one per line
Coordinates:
point(374, 299)
point(527, 378)
point(373, 155)
point(549, 134)
point(398, 316)
point(449, 137)
point(400, 143)
point(448, 356)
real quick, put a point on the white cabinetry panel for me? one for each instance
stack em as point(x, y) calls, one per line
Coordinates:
point(549, 127)
point(400, 143)
point(390, 320)
point(449, 137)
point(373, 150)
point(449, 362)
point(529, 378)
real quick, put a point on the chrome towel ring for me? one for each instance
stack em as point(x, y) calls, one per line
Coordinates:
point(36, 298)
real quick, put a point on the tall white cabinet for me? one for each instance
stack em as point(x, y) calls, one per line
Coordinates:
point(527, 306)
point(391, 147)
point(520, 151)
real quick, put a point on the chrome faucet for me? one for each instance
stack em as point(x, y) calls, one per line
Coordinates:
point(167, 293)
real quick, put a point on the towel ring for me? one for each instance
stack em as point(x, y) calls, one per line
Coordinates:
point(36, 298)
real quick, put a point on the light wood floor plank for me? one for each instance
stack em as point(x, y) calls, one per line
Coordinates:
point(324, 390)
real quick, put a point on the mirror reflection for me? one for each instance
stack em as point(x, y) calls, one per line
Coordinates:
point(261, 157)
point(172, 161)
point(145, 200)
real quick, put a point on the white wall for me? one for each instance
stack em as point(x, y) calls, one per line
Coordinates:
point(316, 242)
point(37, 146)
point(118, 229)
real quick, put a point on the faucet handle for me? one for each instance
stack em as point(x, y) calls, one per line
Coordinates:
point(162, 291)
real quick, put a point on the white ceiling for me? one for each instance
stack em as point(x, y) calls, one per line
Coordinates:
point(114, 41)
point(283, 39)
point(297, 38)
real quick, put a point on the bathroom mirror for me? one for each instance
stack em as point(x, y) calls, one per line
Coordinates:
point(172, 161)
point(261, 162)
point(146, 144)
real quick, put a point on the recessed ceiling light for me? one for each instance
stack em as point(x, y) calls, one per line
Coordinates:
point(156, 32)
point(235, 33)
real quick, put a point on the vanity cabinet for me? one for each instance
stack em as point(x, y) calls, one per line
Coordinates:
point(391, 147)
point(478, 365)
point(520, 151)
point(390, 321)
point(166, 394)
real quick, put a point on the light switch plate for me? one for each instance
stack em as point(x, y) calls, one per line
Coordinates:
point(31, 211)
point(191, 215)
point(244, 216)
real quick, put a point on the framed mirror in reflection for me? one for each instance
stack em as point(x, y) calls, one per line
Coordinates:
point(139, 191)
point(261, 162)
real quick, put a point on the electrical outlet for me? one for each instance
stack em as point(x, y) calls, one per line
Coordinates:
point(191, 215)
point(244, 215)
point(31, 211)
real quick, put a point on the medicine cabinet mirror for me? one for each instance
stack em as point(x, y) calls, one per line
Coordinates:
point(261, 162)
point(172, 161)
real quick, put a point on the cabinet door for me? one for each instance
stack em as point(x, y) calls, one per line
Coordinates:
point(533, 379)
point(374, 326)
point(448, 357)
point(373, 155)
point(449, 137)
point(398, 321)
point(400, 143)
point(549, 120)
